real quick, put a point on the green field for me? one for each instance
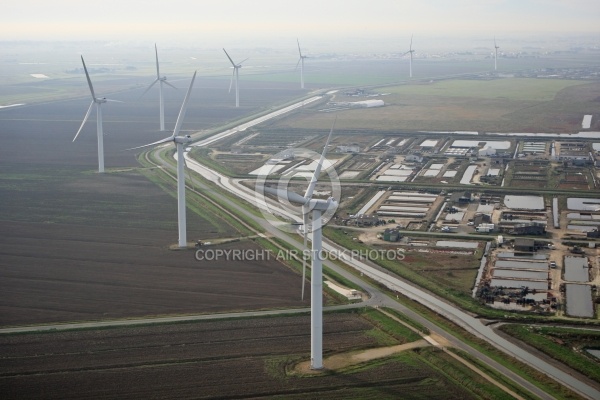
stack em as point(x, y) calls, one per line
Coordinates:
point(502, 105)
point(509, 88)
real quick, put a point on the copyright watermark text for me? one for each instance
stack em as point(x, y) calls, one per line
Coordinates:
point(288, 255)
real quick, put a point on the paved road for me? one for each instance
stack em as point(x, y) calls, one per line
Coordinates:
point(256, 121)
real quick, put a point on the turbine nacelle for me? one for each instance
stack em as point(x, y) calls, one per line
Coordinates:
point(321, 205)
point(182, 139)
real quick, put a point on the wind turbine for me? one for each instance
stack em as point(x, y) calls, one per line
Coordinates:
point(496, 47)
point(410, 52)
point(301, 62)
point(179, 141)
point(236, 75)
point(160, 80)
point(318, 207)
point(98, 101)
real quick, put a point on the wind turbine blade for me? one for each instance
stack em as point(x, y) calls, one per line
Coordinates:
point(315, 177)
point(161, 141)
point(291, 197)
point(298, 63)
point(245, 59)
point(184, 107)
point(157, 68)
point(88, 79)
point(167, 83)
point(299, 51)
point(114, 101)
point(149, 87)
point(231, 81)
point(232, 63)
point(87, 114)
point(411, 38)
point(305, 221)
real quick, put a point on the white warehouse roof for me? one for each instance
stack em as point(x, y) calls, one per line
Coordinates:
point(369, 103)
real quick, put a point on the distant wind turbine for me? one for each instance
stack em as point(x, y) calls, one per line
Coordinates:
point(236, 75)
point(179, 141)
point(410, 52)
point(160, 80)
point(98, 101)
point(496, 47)
point(301, 62)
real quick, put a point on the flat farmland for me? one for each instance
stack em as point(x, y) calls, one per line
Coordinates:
point(492, 106)
point(42, 133)
point(77, 245)
point(60, 272)
point(220, 359)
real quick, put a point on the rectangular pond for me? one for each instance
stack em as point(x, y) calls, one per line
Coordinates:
point(462, 245)
point(431, 172)
point(517, 202)
point(392, 178)
point(410, 199)
point(400, 208)
point(510, 264)
point(579, 300)
point(583, 204)
point(414, 194)
point(518, 274)
point(576, 269)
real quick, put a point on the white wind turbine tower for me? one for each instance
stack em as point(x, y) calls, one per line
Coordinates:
point(179, 141)
point(301, 62)
point(236, 75)
point(496, 47)
point(318, 207)
point(98, 101)
point(410, 52)
point(160, 81)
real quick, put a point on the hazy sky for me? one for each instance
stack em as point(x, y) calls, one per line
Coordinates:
point(264, 20)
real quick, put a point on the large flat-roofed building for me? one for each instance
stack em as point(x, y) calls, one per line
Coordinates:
point(572, 151)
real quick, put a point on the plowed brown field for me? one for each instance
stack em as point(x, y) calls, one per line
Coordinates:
point(218, 359)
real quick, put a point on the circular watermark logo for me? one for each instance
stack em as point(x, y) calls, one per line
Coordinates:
point(291, 166)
